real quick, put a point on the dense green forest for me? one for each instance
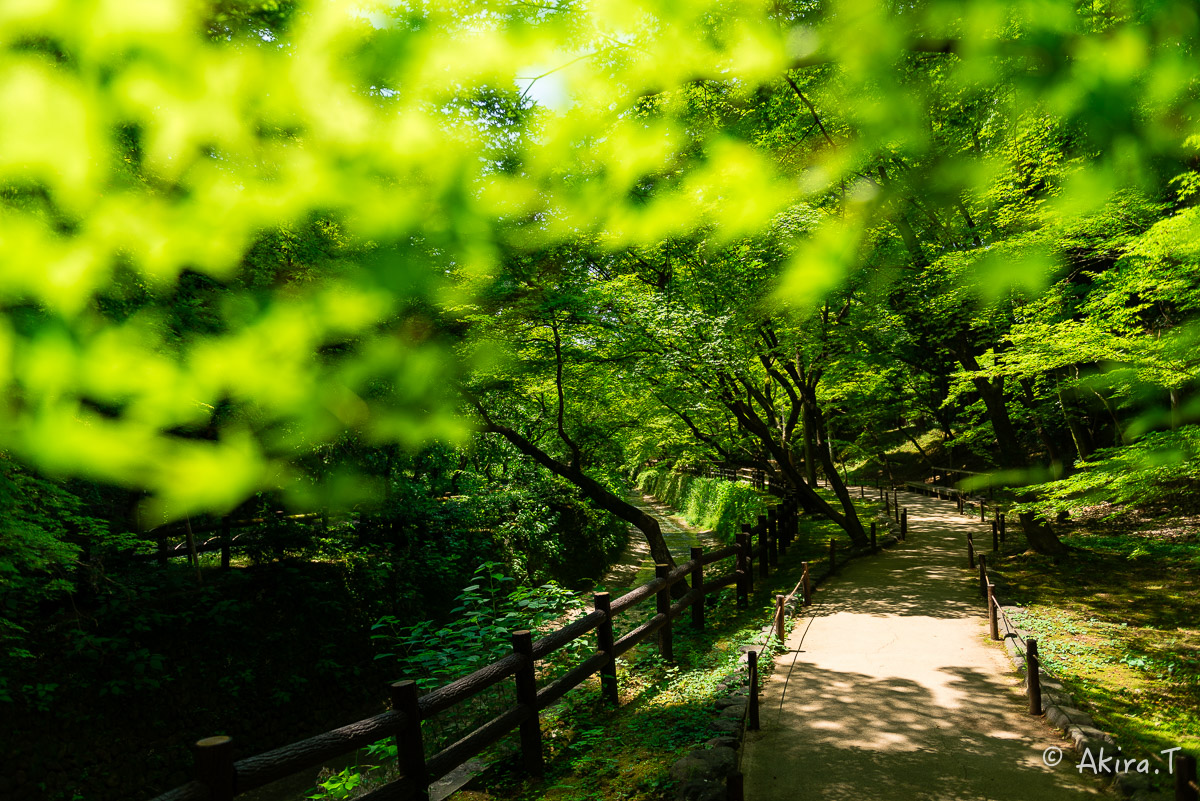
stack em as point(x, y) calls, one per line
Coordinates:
point(430, 290)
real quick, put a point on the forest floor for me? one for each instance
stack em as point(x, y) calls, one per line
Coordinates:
point(890, 689)
point(1117, 620)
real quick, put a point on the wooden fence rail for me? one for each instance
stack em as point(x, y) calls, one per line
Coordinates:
point(219, 778)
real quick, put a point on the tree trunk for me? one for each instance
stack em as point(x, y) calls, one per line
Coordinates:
point(598, 494)
point(1038, 534)
point(810, 462)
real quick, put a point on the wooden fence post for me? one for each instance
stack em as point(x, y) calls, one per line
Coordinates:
point(904, 525)
point(1002, 527)
point(804, 579)
point(887, 506)
point(226, 542)
point(409, 742)
point(982, 576)
point(698, 582)
point(982, 512)
point(1185, 778)
point(214, 767)
point(779, 617)
point(770, 553)
point(663, 599)
point(601, 602)
point(995, 536)
point(993, 615)
point(774, 522)
point(764, 549)
point(970, 550)
point(896, 504)
point(531, 727)
point(752, 669)
point(1033, 679)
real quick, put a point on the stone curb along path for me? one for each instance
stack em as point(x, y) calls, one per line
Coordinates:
point(1062, 711)
point(891, 690)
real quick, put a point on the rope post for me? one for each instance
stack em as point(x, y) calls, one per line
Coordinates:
point(226, 542)
point(1185, 778)
point(904, 525)
point(1033, 679)
point(663, 599)
point(807, 586)
point(874, 546)
point(214, 767)
point(983, 576)
point(780, 600)
point(970, 550)
point(995, 536)
point(1002, 527)
point(531, 727)
point(832, 554)
point(752, 665)
point(982, 513)
point(896, 504)
point(735, 787)
point(993, 613)
point(697, 553)
point(410, 746)
point(601, 602)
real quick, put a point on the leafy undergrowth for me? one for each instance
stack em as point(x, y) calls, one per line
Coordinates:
point(1117, 620)
point(596, 753)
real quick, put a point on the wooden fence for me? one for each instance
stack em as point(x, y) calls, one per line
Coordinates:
point(219, 778)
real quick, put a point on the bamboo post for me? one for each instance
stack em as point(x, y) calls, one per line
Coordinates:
point(982, 576)
point(993, 616)
point(807, 586)
point(409, 743)
point(1033, 679)
point(904, 525)
point(601, 602)
point(752, 669)
point(663, 599)
point(531, 728)
point(214, 767)
point(970, 551)
point(779, 617)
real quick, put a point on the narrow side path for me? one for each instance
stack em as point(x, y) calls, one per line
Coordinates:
point(635, 565)
point(890, 689)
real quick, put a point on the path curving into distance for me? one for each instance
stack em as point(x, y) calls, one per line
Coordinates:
point(635, 565)
point(889, 688)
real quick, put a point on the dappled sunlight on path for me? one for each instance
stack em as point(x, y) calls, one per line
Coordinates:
point(890, 689)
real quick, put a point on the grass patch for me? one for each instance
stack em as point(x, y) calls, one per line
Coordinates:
point(1117, 621)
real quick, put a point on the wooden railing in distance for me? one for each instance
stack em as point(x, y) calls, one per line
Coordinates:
point(219, 778)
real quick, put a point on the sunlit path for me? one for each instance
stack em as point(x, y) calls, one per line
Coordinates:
point(890, 689)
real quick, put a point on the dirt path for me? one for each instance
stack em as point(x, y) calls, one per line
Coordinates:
point(891, 689)
point(635, 565)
